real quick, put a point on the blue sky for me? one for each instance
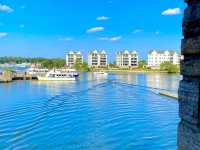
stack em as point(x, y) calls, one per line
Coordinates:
point(49, 28)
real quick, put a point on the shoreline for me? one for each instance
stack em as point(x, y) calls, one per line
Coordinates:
point(133, 71)
point(24, 76)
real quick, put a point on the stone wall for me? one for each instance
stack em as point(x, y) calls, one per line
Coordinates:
point(189, 90)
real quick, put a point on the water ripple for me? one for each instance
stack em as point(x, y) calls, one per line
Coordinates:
point(104, 115)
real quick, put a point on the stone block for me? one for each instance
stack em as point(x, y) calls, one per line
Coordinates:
point(189, 100)
point(192, 13)
point(191, 46)
point(188, 137)
point(191, 21)
point(190, 66)
point(191, 1)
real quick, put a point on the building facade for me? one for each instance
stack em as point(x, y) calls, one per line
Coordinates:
point(156, 58)
point(73, 57)
point(97, 59)
point(127, 59)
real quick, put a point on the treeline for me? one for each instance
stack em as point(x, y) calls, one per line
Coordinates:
point(169, 67)
point(81, 66)
point(16, 60)
point(45, 62)
point(53, 63)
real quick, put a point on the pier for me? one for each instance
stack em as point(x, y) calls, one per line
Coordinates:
point(5, 79)
point(9, 77)
point(23, 76)
point(170, 95)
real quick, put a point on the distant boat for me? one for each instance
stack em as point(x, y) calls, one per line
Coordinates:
point(59, 75)
point(23, 65)
point(100, 73)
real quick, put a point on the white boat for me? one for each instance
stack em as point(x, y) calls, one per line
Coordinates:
point(70, 71)
point(100, 73)
point(37, 71)
point(59, 75)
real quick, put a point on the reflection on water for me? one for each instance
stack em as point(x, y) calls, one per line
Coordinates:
point(163, 81)
point(92, 76)
point(53, 87)
point(91, 113)
point(128, 77)
point(155, 80)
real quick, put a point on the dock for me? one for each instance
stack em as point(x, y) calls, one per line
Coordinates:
point(23, 76)
point(5, 78)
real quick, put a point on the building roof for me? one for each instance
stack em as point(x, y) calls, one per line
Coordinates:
point(79, 52)
point(126, 52)
point(103, 52)
point(97, 52)
point(74, 52)
point(163, 51)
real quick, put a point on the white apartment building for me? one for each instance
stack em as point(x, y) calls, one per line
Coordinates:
point(73, 57)
point(97, 59)
point(127, 59)
point(155, 58)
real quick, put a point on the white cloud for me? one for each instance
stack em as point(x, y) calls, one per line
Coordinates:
point(137, 31)
point(65, 39)
point(21, 26)
point(5, 8)
point(104, 38)
point(111, 39)
point(95, 29)
point(172, 11)
point(102, 18)
point(3, 34)
point(116, 38)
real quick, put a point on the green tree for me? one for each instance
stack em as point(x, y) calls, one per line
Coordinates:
point(169, 67)
point(47, 63)
point(142, 64)
point(113, 65)
point(85, 66)
point(81, 66)
point(58, 63)
point(8, 74)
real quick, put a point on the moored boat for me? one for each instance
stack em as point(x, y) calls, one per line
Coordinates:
point(100, 73)
point(37, 71)
point(59, 75)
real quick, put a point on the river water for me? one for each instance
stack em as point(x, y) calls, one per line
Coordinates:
point(121, 111)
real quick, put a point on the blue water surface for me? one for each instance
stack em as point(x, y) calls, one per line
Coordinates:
point(108, 113)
